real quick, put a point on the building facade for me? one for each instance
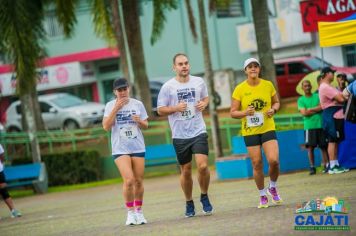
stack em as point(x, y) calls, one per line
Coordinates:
point(85, 66)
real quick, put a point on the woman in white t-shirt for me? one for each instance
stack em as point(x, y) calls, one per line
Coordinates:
point(125, 117)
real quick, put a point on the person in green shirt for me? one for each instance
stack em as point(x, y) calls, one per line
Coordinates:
point(309, 107)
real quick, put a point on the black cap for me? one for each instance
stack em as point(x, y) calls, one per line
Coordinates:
point(327, 70)
point(342, 75)
point(120, 83)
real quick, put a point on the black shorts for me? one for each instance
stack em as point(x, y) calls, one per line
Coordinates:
point(340, 134)
point(2, 177)
point(259, 139)
point(185, 148)
point(315, 138)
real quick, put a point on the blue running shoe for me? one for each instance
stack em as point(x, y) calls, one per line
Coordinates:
point(189, 209)
point(207, 207)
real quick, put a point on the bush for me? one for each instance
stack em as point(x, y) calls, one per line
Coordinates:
point(69, 168)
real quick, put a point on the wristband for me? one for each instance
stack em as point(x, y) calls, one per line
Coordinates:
point(275, 110)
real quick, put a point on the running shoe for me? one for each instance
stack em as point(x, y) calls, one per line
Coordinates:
point(312, 171)
point(207, 207)
point(140, 219)
point(263, 202)
point(326, 169)
point(131, 218)
point(276, 199)
point(337, 170)
point(15, 213)
point(189, 209)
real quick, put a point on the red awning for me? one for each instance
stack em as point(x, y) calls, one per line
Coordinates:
point(93, 55)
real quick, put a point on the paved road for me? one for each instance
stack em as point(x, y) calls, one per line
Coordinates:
point(100, 211)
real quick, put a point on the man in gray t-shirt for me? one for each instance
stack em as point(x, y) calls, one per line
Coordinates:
point(182, 99)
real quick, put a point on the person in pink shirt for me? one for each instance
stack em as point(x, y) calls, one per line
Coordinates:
point(331, 101)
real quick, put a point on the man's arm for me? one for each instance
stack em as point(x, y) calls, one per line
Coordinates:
point(168, 110)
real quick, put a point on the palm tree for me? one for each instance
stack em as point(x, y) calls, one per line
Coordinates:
point(110, 23)
point(21, 37)
point(208, 68)
point(264, 48)
point(210, 81)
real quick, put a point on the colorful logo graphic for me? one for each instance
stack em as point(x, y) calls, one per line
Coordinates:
point(322, 214)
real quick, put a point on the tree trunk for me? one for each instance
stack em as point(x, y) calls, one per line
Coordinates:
point(264, 48)
point(133, 32)
point(28, 111)
point(120, 38)
point(210, 81)
point(40, 125)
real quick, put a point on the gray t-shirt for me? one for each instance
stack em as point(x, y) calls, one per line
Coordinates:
point(126, 136)
point(189, 123)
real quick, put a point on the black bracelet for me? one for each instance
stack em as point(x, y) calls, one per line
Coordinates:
point(275, 110)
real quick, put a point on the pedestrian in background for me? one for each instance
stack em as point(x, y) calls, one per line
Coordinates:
point(309, 107)
point(331, 101)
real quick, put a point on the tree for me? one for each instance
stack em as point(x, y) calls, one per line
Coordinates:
point(264, 48)
point(110, 24)
point(210, 80)
point(215, 130)
point(22, 35)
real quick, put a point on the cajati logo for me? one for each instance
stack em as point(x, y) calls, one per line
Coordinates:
point(322, 214)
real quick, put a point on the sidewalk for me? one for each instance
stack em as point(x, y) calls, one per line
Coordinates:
point(100, 210)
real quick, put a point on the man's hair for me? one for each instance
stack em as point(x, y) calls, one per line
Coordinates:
point(306, 81)
point(177, 55)
point(319, 78)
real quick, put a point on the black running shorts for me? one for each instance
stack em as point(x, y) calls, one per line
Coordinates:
point(2, 177)
point(259, 139)
point(315, 138)
point(185, 148)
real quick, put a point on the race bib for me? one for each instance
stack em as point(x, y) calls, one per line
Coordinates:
point(255, 120)
point(128, 132)
point(189, 113)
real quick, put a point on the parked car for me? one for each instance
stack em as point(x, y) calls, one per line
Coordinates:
point(59, 111)
point(290, 71)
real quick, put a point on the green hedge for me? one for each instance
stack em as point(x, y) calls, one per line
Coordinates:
point(69, 168)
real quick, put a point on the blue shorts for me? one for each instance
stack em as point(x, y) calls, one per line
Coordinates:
point(138, 154)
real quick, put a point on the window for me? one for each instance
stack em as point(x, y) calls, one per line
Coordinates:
point(297, 68)
point(18, 109)
point(350, 55)
point(52, 26)
point(45, 107)
point(230, 8)
point(280, 70)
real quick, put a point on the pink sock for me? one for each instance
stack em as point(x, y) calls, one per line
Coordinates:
point(129, 205)
point(138, 205)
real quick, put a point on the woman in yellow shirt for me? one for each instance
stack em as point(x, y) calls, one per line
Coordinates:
point(255, 101)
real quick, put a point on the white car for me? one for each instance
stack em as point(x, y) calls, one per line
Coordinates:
point(59, 111)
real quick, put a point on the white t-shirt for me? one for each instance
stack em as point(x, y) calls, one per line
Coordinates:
point(1, 152)
point(189, 123)
point(126, 136)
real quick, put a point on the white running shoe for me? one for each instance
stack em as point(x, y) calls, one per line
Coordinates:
point(140, 219)
point(15, 213)
point(131, 218)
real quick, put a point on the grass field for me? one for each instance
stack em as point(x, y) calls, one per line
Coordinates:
point(100, 210)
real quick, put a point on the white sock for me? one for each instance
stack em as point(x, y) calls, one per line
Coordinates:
point(272, 184)
point(333, 163)
point(337, 163)
point(262, 192)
